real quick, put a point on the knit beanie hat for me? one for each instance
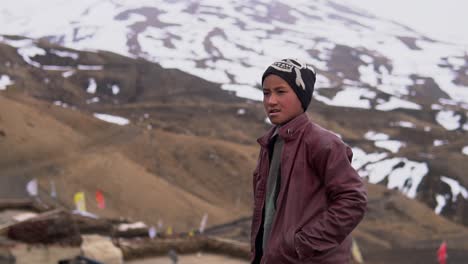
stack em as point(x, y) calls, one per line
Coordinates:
point(300, 76)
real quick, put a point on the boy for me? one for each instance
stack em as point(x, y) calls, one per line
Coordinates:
point(307, 196)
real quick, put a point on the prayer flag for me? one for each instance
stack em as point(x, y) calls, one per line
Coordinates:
point(356, 252)
point(101, 203)
point(53, 191)
point(31, 187)
point(203, 223)
point(80, 201)
point(442, 253)
point(169, 231)
point(152, 232)
point(191, 233)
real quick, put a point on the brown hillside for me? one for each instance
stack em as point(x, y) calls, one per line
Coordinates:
point(194, 168)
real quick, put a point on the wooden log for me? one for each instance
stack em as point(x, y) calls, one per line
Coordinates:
point(54, 227)
point(26, 204)
point(87, 225)
point(136, 249)
point(16, 204)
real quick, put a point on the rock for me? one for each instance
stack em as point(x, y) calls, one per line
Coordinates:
point(101, 249)
point(28, 254)
point(5, 256)
point(173, 256)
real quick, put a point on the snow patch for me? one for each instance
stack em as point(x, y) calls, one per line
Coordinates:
point(92, 86)
point(441, 201)
point(136, 225)
point(349, 97)
point(65, 54)
point(448, 119)
point(401, 173)
point(244, 91)
point(457, 62)
point(90, 67)
point(361, 158)
point(92, 100)
point(372, 135)
point(420, 81)
point(404, 124)
point(56, 68)
point(68, 74)
point(121, 121)
point(455, 187)
point(30, 52)
point(115, 89)
point(366, 58)
point(392, 145)
point(439, 142)
point(446, 101)
point(465, 150)
point(27, 49)
point(368, 75)
point(5, 81)
point(436, 107)
point(61, 104)
point(395, 103)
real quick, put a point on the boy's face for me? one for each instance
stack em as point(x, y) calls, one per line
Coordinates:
point(279, 100)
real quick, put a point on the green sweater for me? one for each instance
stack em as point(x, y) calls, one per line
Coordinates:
point(273, 187)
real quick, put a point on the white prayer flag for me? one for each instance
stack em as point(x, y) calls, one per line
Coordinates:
point(152, 232)
point(203, 223)
point(53, 191)
point(31, 187)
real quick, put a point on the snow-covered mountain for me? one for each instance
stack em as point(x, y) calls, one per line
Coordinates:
point(231, 42)
point(362, 62)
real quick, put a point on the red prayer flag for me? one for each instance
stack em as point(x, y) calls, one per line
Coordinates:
point(442, 253)
point(101, 203)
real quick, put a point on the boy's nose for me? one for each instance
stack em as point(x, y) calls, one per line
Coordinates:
point(272, 100)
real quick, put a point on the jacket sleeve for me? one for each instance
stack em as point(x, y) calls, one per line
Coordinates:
point(347, 202)
point(255, 205)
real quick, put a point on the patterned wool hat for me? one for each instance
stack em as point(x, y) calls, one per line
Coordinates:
point(300, 76)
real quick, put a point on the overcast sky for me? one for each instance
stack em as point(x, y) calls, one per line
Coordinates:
point(445, 20)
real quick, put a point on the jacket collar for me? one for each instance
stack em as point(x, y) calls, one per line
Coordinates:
point(287, 131)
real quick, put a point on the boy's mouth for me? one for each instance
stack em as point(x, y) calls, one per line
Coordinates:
point(273, 112)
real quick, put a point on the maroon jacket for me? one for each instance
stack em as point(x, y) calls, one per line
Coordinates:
point(320, 201)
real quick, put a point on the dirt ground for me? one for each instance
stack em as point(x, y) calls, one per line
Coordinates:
point(200, 258)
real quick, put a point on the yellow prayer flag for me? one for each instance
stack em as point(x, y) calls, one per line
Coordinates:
point(80, 201)
point(169, 231)
point(357, 256)
point(191, 233)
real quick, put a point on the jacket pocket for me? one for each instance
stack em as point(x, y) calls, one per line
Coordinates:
point(289, 244)
point(305, 253)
